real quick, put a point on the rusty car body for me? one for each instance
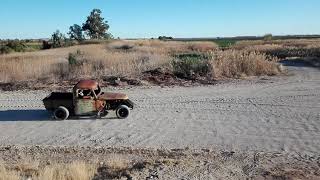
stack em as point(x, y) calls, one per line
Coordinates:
point(87, 99)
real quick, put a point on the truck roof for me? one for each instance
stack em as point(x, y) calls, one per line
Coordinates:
point(87, 84)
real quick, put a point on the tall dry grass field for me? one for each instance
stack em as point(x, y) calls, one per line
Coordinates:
point(119, 58)
point(6, 174)
point(233, 63)
point(71, 171)
point(130, 58)
point(282, 48)
point(114, 166)
point(31, 65)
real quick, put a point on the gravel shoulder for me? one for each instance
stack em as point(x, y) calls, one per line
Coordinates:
point(151, 163)
point(267, 114)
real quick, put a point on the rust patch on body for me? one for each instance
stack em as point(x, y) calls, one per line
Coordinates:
point(87, 84)
point(100, 105)
point(85, 106)
point(112, 96)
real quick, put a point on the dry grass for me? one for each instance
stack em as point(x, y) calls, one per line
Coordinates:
point(31, 65)
point(117, 162)
point(114, 166)
point(72, 171)
point(131, 58)
point(127, 163)
point(282, 48)
point(119, 58)
point(225, 64)
point(307, 43)
point(6, 174)
point(242, 63)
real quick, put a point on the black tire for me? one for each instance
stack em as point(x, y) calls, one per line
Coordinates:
point(61, 113)
point(122, 111)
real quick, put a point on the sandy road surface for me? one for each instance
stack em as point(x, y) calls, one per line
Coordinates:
point(269, 114)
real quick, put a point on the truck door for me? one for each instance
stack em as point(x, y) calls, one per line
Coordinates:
point(84, 103)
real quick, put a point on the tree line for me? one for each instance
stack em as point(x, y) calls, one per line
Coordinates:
point(95, 27)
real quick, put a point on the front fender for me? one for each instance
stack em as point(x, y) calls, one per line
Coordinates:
point(129, 103)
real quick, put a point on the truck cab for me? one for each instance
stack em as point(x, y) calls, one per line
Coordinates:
point(87, 99)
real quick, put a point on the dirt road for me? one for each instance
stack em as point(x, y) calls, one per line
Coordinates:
point(265, 114)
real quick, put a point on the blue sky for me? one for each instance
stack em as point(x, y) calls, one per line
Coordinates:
point(152, 18)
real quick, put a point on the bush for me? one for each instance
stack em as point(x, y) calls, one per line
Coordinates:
point(224, 64)
point(16, 45)
point(76, 58)
point(165, 38)
point(189, 66)
point(267, 37)
point(46, 45)
point(225, 43)
point(13, 46)
point(5, 50)
point(124, 47)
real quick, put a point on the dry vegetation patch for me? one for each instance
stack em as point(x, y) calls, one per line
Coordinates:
point(283, 48)
point(98, 163)
point(242, 63)
point(132, 59)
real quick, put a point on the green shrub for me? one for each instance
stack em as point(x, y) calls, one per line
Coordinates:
point(46, 45)
point(190, 66)
point(163, 38)
point(125, 47)
point(225, 43)
point(5, 50)
point(267, 37)
point(76, 58)
point(13, 46)
point(191, 56)
point(17, 46)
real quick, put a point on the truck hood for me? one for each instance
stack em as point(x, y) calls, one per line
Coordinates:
point(112, 96)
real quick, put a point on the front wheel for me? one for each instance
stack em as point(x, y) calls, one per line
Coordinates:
point(61, 113)
point(122, 112)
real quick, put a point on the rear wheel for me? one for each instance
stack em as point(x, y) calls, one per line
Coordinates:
point(61, 113)
point(122, 112)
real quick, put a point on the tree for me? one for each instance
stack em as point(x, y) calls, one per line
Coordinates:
point(58, 39)
point(95, 26)
point(75, 32)
point(108, 36)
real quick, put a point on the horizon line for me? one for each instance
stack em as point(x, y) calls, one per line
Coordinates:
point(199, 37)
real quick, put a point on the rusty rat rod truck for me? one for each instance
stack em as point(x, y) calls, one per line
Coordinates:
point(87, 99)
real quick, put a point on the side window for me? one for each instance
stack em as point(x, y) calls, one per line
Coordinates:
point(87, 93)
point(84, 94)
point(97, 91)
point(80, 93)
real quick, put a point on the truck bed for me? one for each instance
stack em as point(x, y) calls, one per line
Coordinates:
point(56, 99)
